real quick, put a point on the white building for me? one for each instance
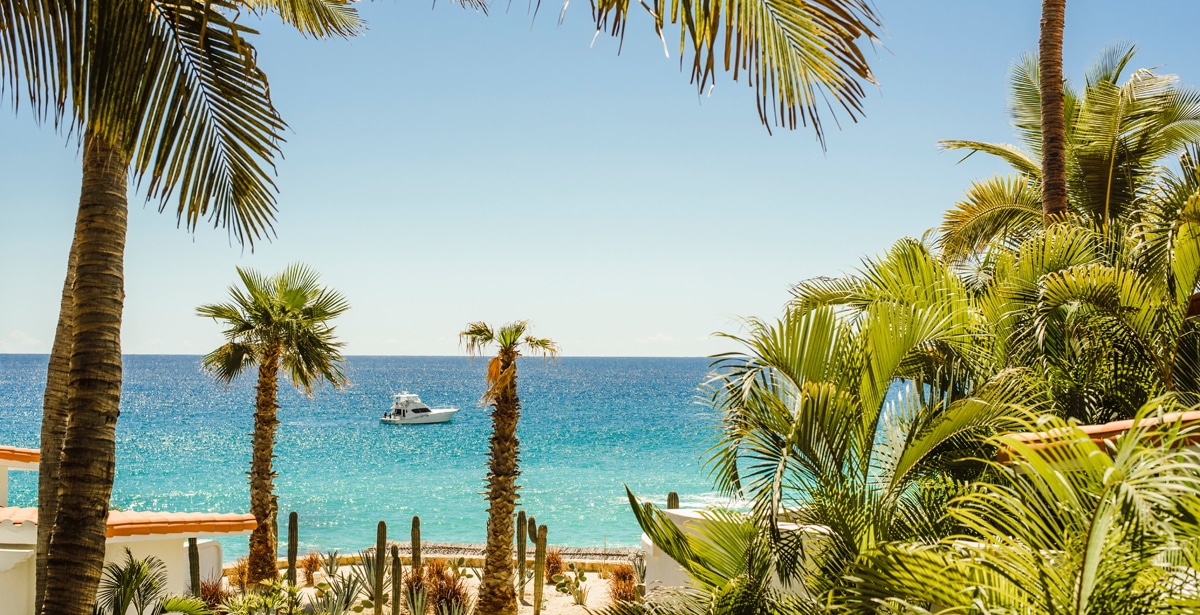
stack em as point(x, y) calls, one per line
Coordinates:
point(161, 534)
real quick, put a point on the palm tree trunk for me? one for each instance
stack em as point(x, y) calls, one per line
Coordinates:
point(497, 594)
point(1054, 131)
point(54, 419)
point(75, 556)
point(264, 549)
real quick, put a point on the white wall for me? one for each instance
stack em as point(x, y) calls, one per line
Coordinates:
point(16, 581)
point(662, 571)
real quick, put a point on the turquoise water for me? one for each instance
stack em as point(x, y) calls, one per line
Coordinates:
point(589, 425)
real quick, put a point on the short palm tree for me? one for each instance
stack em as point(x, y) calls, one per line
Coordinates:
point(1072, 526)
point(138, 586)
point(277, 322)
point(497, 593)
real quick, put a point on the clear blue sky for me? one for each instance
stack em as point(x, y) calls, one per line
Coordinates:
point(450, 166)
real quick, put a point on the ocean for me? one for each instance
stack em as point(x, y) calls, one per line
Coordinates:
point(589, 426)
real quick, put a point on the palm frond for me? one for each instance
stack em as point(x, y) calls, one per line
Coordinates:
point(476, 337)
point(37, 41)
point(1003, 210)
point(799, 57)
point(319, 18)
point(1024, 163)
point(176, 82)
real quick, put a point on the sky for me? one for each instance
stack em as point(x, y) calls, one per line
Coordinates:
point(450, 166)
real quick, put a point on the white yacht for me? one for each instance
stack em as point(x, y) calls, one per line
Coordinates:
point(407, 408)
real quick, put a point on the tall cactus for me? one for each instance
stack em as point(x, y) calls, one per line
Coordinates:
point(416, 543)
point(539, 568)
point(380, 565)
point(293, 540)
point(194, 565)
point(672, 500)
point(521, 538)
point(397, 579)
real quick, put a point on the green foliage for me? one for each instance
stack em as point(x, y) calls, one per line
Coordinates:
point(571, 581)
point(138, 586)
point(289, 313)
point(1069, 526)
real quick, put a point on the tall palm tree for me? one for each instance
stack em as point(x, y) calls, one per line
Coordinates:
point(497, 593)
point(1118, 135)
point(277, 323)
point(1054, 130)
point(167, 89)
point(1073, 527)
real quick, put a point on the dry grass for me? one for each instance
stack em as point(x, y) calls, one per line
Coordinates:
point(310, 565)
point(554, 564)
point(446, 588)
point(238, 576)
point(622, 584)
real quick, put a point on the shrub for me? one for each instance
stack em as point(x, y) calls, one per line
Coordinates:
point(622, 584)
point(213, 592)
point(310, 565)
point(447, 591)
point(237, 576)
point(554, 565)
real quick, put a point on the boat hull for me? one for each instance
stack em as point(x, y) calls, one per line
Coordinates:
point(440, 415)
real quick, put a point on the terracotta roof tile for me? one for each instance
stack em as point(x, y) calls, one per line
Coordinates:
point(1102, 433)
point(21, 455)
point(137, 523)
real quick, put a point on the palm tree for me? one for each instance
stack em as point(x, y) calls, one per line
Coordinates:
point(1072, 526)
point(167, 89)
point(1054, 131)
point(1118, 133)
point(851, 413)
point(277, 322)
point(138, 586)
point(496, 585)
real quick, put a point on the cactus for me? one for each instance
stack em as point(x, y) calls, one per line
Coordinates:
point(539, 568)
point(293, 539)
point(380, 565)
point(194, 565)
point(416, 543)
point(397, 579)
point(521, 539)
point(672, 500)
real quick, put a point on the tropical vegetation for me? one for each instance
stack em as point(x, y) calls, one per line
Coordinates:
point(138, 586)
point(171, 91)
point(862, 427)
point(497, 585)
point(275, 323)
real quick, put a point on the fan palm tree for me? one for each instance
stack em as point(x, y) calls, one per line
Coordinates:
point(497, 593)
point(1073, 526)
point(276, 323)
point(169, 90)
